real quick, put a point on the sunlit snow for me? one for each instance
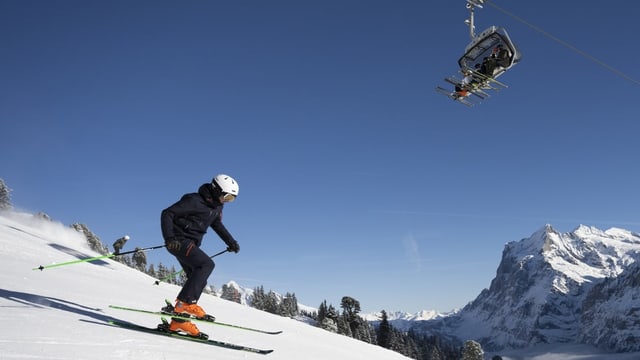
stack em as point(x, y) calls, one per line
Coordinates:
point(63, 313)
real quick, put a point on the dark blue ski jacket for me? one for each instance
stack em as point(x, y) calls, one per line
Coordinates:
point(192, 215)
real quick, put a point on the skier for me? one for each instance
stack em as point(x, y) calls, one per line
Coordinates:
point(183, 227)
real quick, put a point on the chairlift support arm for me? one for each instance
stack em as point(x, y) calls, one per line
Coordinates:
point(471, 5)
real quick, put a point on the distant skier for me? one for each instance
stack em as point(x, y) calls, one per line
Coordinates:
point(184, 224)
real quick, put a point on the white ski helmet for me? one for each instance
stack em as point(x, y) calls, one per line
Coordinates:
point(226, 184)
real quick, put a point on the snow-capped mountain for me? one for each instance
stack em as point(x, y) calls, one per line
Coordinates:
point(399, 319)
point(401, 315)
point(557, 288)
point(403, 320)
point(611, 312)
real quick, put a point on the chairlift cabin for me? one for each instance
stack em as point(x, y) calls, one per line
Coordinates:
point(486, 44)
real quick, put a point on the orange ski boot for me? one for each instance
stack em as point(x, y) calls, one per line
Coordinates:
point(186, 327)
point(189, 309)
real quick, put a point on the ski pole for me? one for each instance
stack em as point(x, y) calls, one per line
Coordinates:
point(116, 253)
point(157, 282)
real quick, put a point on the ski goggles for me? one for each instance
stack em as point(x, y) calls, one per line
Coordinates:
point(228, 197)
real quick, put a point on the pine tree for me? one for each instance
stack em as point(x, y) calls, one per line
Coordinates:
point(327, 317)
point(313, 315)
point(163, 273)
point(435, 354)
point(406, 346)
point(152, 271)
point(332, 313)
point(93, 240)
point(366, 332)
point(208, 289)
point(329, 324)
point(230, 293)
point(271, 303)
point(351, 308)
point(472, 350)
point(396, 341)
point(384, 331)
point(259, 298)
point(343, 326)
point(289, 305)
point(139, 260)
point(175, 277)
point(126, 259)
point(322, 311)
point(5, 196)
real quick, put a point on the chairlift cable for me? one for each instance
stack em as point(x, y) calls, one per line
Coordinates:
point(566, 44)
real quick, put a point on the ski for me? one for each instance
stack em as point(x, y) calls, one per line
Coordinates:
point(476, 89)
point(487, 78)
point(159, 331)
point(179, 316)
point(449, 94)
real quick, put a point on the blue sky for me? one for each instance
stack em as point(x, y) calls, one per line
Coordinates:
point(356, 177)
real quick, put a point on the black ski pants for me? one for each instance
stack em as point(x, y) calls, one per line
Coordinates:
point(197, 265)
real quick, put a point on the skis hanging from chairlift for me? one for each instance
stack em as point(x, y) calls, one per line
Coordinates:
point(489, 54)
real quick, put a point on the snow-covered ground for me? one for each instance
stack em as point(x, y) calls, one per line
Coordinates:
point(63, 313)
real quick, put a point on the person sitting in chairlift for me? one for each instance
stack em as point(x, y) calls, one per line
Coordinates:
point(502, 56)
point(488, 66)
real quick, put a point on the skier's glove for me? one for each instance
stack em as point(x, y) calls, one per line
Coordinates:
point(233, 246)
point(173, 245)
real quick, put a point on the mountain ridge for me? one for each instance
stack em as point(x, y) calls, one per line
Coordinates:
point(540, 285)
point(580, 287)
point(550, 287)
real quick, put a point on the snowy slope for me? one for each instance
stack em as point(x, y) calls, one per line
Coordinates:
point(62, 313)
